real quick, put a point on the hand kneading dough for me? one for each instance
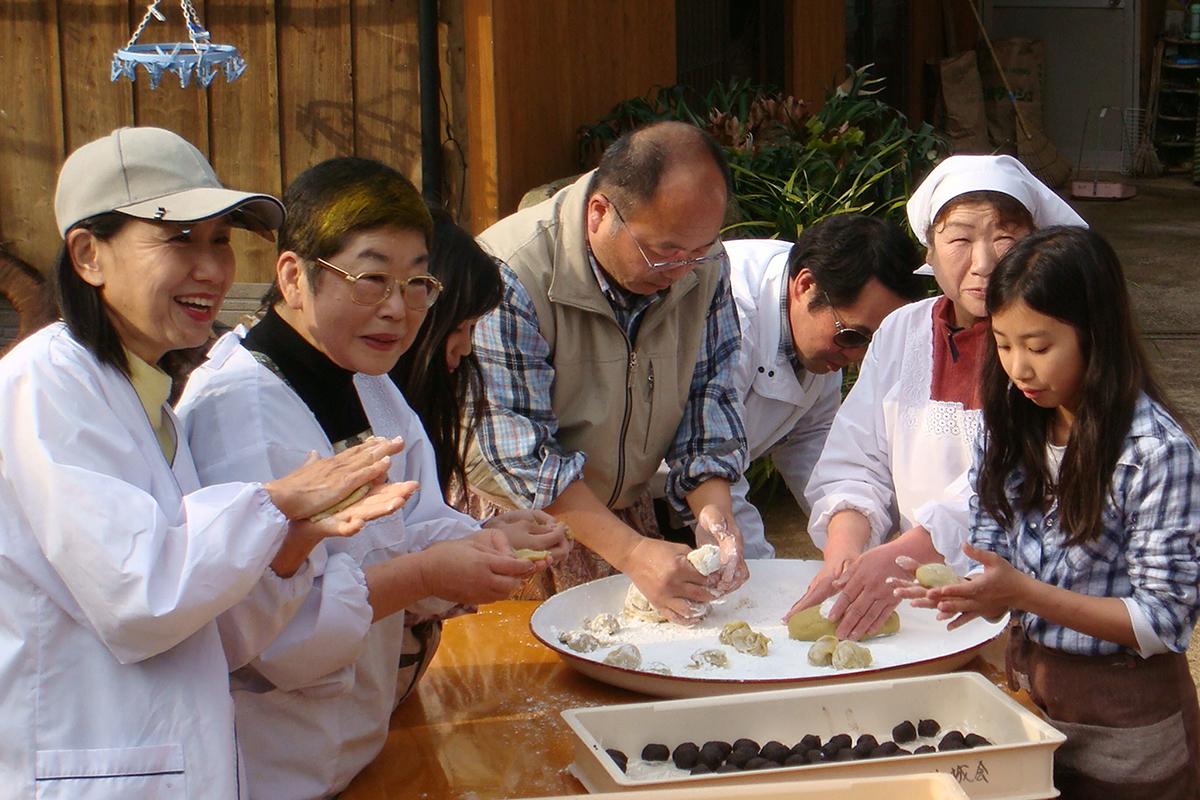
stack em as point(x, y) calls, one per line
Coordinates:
point(579, 641)
point(638, 607)
point(934, 575)
point(627, 656)
point(851, 655)
point(741, 637)
point(809, 625)
point(821, 652)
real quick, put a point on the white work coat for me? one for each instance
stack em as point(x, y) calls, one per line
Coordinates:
point(787, 417)
point(893, 454)
point(114, 565)
point(313, 707)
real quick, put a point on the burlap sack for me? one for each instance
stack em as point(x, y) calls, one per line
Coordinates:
point(1024, 64)
point(964, 120)
point(1023, 61)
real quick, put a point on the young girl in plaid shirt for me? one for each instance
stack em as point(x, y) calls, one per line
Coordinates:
point(1086, 523)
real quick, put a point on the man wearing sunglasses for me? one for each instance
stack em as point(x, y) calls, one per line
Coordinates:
point(614, 348)
point(807, 311)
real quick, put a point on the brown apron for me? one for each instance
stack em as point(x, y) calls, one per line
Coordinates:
point(1132, 723)
point(581, 564)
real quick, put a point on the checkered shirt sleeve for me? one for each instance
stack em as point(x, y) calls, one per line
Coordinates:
point(711, 439)
point(517, 429)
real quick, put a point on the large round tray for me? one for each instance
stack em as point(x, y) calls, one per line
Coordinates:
point(922, 647)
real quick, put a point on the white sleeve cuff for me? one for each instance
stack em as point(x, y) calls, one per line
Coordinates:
point(1148, 642)
point(828, 507)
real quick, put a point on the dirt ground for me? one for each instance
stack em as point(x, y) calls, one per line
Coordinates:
point(1157, 236)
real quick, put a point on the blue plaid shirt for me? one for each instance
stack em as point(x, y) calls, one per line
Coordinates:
point(517, 430)
point(1148, 551)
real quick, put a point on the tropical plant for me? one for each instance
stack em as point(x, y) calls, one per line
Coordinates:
point(791, 167)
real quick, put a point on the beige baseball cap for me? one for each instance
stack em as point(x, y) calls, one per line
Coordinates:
point(153, 174)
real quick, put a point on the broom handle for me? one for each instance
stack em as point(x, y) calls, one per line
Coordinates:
point(1000, 69)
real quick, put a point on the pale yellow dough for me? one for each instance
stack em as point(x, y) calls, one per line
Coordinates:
point(741, 637)
point(342, 505)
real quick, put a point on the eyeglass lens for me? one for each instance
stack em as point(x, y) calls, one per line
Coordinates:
point(419, 292)
point(851, 338)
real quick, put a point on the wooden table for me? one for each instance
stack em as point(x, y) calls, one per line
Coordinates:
point(484, 721)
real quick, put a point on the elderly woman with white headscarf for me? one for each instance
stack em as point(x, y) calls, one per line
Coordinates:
point(892, 480)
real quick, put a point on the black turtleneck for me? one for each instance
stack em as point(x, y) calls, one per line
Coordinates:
point(327, 389)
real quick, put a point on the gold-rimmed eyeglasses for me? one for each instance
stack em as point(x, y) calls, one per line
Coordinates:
point(663, 266)
point(372, 288)
point(844, 336)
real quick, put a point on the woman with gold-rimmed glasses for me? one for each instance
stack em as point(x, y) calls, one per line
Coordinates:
point(351, 291)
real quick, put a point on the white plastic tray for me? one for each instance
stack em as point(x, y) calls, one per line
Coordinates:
point(1017, 765)
point(922, 647)
point(907, 787)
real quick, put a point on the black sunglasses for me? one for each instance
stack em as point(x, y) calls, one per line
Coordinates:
point(844, 336)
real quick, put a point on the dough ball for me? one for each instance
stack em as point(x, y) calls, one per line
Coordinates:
point(706, 559)
point(657, 667)
point(605, 624)
point(775, 751)
point(686, 755)
point(709, 658)
point(810, 624)
point(638, 607)
point(820, 654)
point(579, 641)
point(928, 727)
point(655, 752)
point(954, 740)
point(627, 656)
point(742, 638)
point(934, 575)
point(904, 732)
point(531, 555)
point(851, 655)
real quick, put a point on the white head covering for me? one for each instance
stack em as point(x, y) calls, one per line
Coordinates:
point(961, 174)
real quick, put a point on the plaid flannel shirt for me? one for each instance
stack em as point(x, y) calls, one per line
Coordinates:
point(1149, 548)
point(517, 430)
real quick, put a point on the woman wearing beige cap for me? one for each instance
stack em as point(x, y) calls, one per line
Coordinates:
point(114, 564)
point(892, 479)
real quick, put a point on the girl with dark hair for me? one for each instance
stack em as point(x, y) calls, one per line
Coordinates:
point(1086, 524)
point(438, 374)
point(114, 563)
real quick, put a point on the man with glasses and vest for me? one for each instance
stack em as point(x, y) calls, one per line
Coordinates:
point(808, 310)
point(614, 348)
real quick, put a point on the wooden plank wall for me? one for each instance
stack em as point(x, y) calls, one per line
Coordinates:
point(816, 60)
point(325, 78)
point(537, 70)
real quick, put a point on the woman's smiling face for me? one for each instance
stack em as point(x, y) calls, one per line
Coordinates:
point(162, 282)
